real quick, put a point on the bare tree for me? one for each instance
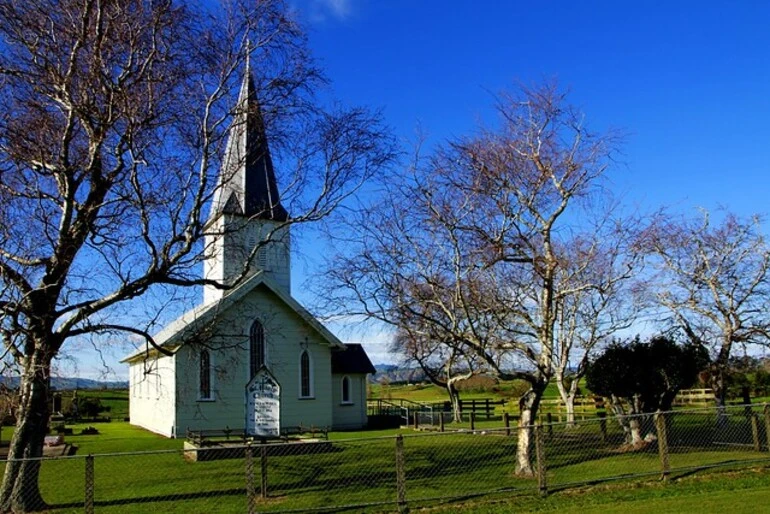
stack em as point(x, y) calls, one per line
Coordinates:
point(113, 119)
point(713, 279)
point(597, 276)
point(444, 363)
point(478, 228)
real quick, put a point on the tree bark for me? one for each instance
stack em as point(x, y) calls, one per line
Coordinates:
point(528, 407)
point(630, 422)
point(568, 397)
point(20, 491)
point(569, 405)
point(454, 399)
point(635, 430)
point(719, 388)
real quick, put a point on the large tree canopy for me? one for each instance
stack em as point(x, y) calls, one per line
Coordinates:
point(714, 280)
point(641, 377)
point(647, 375)
point(476, 247)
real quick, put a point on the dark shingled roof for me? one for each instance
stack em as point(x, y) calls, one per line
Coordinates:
point(247, 166)
point(351, 360)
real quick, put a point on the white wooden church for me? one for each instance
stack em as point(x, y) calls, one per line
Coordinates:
point(250, 357)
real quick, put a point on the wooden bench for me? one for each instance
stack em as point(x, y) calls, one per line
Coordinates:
point(315, 432)
point(210, 437)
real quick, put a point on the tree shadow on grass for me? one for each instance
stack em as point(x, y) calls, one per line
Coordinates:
point(157, 498)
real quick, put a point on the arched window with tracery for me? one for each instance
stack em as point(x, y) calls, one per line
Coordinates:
point(256, 348)
point(205, 375)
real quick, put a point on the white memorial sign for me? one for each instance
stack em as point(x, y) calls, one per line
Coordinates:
point(263, 405)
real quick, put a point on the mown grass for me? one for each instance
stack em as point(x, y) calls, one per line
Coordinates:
point(739, 492)
point(441, 469)
point(470, 471)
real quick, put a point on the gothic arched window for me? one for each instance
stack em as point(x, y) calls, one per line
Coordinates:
point(256, 348)
point(346, 390)
point(205, 375)
point(305, 376)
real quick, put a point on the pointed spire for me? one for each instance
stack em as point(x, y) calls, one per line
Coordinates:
point(247, 182)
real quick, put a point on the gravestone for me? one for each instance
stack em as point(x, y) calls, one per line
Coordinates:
point(263, 405)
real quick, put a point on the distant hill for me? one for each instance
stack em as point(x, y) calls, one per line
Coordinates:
point(396, 375)
point(67, 383)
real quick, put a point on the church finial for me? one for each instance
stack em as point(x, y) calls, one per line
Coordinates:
point(247, 182)
point(247, 70)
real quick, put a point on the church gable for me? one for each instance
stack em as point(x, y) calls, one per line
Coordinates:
point(260, 329)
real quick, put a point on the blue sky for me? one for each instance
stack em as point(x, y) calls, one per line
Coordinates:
point(688, 82)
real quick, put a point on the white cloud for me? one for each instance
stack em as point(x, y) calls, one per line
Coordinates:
point(319, 11)
point(340, 8)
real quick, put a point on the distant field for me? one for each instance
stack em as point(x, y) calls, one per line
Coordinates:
point(115, 400)
point(505, 391)
point(422, 392)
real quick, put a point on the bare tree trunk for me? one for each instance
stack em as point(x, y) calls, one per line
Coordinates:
point(719, 388)
point(630, 422)
point(20, 491)
point(528, 407)
point(568, 397)
point(454, 399)
point(620, 416)
point(569, 405)
point(635, 430)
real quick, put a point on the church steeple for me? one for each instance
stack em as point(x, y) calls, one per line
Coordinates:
point(247, 184)
point(246, 210)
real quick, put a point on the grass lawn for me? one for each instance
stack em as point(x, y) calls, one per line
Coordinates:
point(443, 472)
point(737, 492)
point(359, 468)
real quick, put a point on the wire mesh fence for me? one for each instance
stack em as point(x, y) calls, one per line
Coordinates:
point(396, 472)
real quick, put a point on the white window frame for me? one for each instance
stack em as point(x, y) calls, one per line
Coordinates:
point(349, 401)
point(264, 348)
point(311, 385)
point(211, 396)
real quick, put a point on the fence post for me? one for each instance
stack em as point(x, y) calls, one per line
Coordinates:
point(603, 425)
point(473, 419)
point(507, 421)
point(755, 432)
point(441, 421)
point(416, 420)
point(89, 492)
point(263, 470)
point(486, 406)
point(767, 425)
point(250, 489)
point(549, 418)
point(660, 425)
point(542, 484)
point(400, 475)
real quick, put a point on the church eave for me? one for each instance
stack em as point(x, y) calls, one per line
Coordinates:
point(188, 324)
